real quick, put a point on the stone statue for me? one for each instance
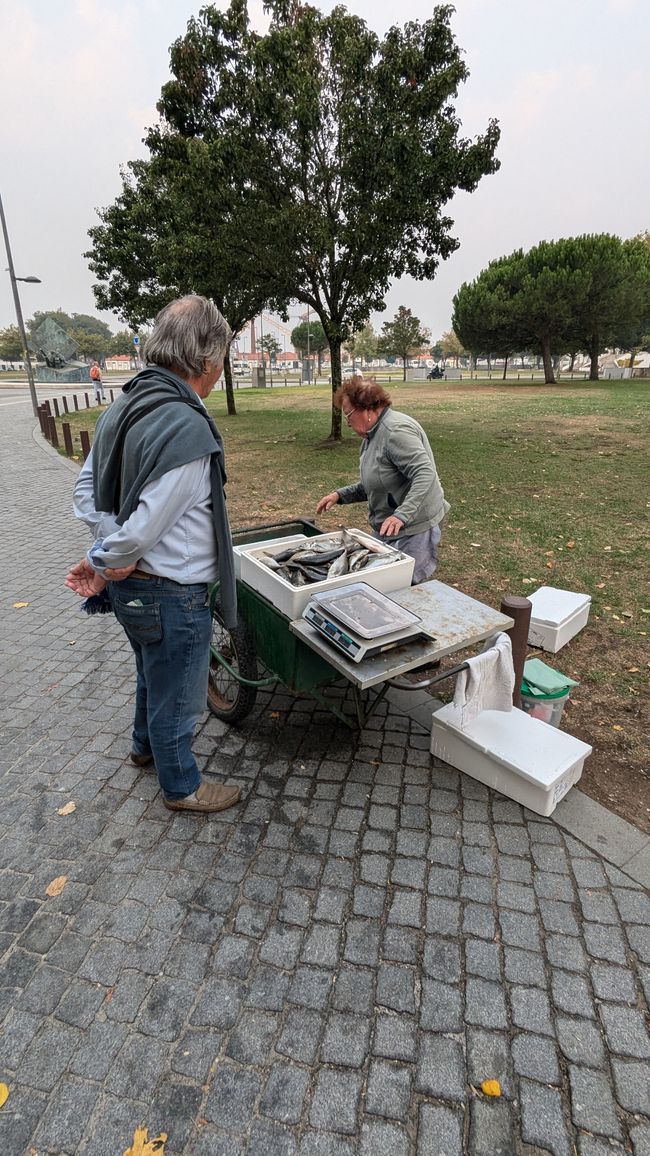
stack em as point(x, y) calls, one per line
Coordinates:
point(59, 351)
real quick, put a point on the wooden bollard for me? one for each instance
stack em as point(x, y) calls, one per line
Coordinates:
point(55, 403)
point(41, 417)
point(519, 609)
point(67, 438)
point(87, 401)
point(112, 395)
point(65, 404)
point(54, 437)
point(48, 408)
point(76, 401)
point(84, 438)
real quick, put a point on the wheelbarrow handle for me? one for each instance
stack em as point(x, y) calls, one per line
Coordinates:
point(402, 685)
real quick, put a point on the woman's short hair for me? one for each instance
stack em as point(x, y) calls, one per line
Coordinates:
point(187, 333)
point(362, 393)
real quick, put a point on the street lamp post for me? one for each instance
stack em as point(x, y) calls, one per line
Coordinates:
point(19, 313)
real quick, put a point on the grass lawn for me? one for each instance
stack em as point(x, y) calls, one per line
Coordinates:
point(548, 485)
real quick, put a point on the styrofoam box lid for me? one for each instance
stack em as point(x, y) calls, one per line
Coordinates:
point(266, 543)
point(552, 606)
point(531, 748)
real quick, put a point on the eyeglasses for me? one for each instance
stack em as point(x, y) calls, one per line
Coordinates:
point(347, 414)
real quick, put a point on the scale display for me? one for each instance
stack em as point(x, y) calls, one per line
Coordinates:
point(360, 621)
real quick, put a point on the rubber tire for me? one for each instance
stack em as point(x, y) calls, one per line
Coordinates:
point(228, 699)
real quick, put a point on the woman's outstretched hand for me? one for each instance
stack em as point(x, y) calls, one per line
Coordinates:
point(391, 527)
point(327, 502)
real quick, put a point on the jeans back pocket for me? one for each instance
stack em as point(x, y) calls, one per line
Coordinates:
point(142, 622)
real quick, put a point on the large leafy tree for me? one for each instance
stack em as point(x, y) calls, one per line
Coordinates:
point(172, 231)
point(403, 336)
point(11, 344)
point(309, 337)
point(363, 344)
point(452, 346)
point(349, 143)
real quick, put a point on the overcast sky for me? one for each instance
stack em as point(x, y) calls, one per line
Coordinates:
point(566, 79)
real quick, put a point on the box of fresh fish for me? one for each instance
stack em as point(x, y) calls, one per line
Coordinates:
point(289, 572)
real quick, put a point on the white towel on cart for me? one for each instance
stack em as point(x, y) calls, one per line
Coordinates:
point(487, 684)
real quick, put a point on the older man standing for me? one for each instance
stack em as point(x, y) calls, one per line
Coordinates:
point(152, 493)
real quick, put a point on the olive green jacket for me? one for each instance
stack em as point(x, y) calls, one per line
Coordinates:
point(398, 476)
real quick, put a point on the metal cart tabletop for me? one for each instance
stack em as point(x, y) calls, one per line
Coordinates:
point(456, 620)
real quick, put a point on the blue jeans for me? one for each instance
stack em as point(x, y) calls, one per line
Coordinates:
point(169, 627)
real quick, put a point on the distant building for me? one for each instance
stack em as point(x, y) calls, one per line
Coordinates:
point(120, 361)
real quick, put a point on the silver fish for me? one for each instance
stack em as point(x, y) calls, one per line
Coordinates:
point(339, 566)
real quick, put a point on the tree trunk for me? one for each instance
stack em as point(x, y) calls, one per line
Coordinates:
point(320, 362)
point(335, 356)
point(505, 367)
point(230, 395)
point(572, 362)
point(404, 368)
point(489, 363)
point(593, 358)
point(549, 376)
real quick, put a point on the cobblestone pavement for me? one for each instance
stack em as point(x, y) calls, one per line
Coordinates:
point(331, 968)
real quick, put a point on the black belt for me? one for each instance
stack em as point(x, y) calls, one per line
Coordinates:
point(142, 574)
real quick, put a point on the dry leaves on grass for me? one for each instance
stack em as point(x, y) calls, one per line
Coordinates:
point(56, 886)
point(68, 809)
point(142, 1146)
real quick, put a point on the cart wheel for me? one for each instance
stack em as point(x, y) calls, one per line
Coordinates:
point(229, 699)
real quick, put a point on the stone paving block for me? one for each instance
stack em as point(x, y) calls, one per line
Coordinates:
point(345, 1040)
point(166, 1008)
point(441, 1068)
point(396, 987)
point(531, 1010)
point(282, 946)
point(44, 990)
point(251, 1040)
point(491, 1131)
point(321, 946)
point(483, 959)
point(17, 1125)
point(604, 942)
point(80, 1003)
point(284, 1093)
point(439, 1130)
point(219, 1003)
point(65, 1120)
point(301, 1035)
point(613, 983)
point(443, 916)
point(137, 1067)
point(565, 951)
point(379, 1138)
point(640, 1137)
point(231, 1097)
point(46, 1058)
point(441, 1007)
point(625, 1031)
point(639, 940)
point(395, 1037)
point(195, 1053)
point(335, 1101)
point(442, 958)
point(535, 1057)
point(485, 1004)
point(266, 1137)
point(388, 1091)
point(592, 1105)
point(520, 930)
point(570, 993)
point(325, 1144)
point(542, 1119)
point(311, 987)
point(632, 1086)
point(362, 942)
point(581, 1041)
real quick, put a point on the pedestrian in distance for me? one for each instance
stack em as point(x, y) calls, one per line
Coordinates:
point(98, 384)
point(152, 494)
point(398, 475)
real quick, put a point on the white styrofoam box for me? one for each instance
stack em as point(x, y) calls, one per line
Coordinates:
point(291, 600)
point(557, 615)
point(280, 542)
point(522, 757)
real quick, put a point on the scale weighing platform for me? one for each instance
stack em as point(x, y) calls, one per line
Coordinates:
point(362, 622)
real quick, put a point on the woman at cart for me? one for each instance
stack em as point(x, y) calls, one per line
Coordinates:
point(398, 476)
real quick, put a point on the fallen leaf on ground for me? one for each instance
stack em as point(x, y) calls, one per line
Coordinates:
point(617, 728)
point(274, 714)
point(68, 809)
point(570, 544)
point(19, 605)
point(56, 886)
point(491, 1088)
point(4, 1094)
point(633, 670)
point(142, 1146)
point(600, 586)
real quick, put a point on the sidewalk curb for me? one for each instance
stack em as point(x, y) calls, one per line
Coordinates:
point(42, 444)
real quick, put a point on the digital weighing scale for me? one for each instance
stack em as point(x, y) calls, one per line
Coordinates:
point(361, 621)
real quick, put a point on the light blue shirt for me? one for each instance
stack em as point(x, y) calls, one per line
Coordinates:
point(170, 533)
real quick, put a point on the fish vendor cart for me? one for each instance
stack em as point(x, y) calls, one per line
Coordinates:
point(295, 654)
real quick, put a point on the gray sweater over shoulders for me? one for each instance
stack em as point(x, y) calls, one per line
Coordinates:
point(398, 476)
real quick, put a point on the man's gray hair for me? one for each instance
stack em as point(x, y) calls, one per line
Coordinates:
point(187, 333)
